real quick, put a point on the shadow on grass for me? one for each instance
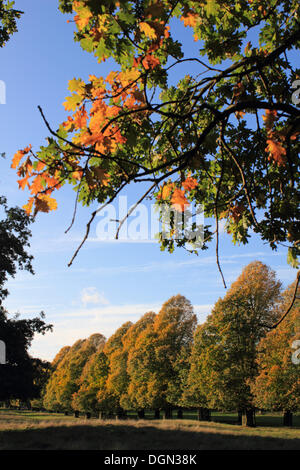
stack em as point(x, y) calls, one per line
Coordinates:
point(125, 437)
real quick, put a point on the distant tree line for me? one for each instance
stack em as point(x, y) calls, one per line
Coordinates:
point(165, 362)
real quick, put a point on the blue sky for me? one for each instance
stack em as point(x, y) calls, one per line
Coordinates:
point(108, 283)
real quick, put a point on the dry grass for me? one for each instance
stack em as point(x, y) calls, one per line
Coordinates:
point(41, 431)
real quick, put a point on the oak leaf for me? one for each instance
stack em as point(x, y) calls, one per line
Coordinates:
point(147, 30)
point(19, 155)
point(179, 200)
point(276, 151)
point(37, 185)
point(190, 183)
point(150, 62)
point(269, 118)
point(44, 203)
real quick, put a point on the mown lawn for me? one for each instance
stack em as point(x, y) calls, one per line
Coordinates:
point(41, 431)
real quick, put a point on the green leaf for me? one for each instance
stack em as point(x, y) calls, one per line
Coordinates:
point(292, 257)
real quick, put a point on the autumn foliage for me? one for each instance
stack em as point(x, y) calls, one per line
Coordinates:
point(225, 135)
point(233, 361)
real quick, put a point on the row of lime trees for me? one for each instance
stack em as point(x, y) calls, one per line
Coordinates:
point(234, 362)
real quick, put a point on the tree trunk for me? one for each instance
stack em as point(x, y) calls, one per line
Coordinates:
point(179, 414)
point(168, 413)
point(249, 418)
point(287, 418)
point(76, 414)
point(141, 414)
point(121, 414)
point(203, 414)
point(88, 415)
point(157, 413)
point(240, 417)
point(28, 404)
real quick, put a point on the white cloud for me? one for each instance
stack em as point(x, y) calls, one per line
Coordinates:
point(90, 295)
point(202, 311)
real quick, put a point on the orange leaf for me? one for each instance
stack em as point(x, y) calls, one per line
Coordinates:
point(69, 124)
point(23, 182)
point(37, 185)
point(269, 118)
point(190, 183)
point(179, 200)
point(190, 19)
point(276, 151)
point(18, 156)
point(166, 191)
point(150, 62)
point(240, 114)
point(294, 136)
point(28, 206)
point(77, 174)
point(40, 166)
point(80, 118)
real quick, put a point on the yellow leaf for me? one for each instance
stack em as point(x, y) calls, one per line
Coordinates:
point(72, 102)
point(45, 203)
point(147, 30)
point(83, 18)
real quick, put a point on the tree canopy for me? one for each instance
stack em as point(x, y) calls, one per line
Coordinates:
point(224, 355)
point(68, 367)
point(8, 20)
point(224, 135)
point(277, 385)
point(14, 238)
point(21, 376)
point(234, 361)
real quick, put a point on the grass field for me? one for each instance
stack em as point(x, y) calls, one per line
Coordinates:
point(42, 431)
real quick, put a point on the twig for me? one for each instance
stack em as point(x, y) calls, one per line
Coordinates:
point(132, 209)
point(88, 225)
point(288, 308)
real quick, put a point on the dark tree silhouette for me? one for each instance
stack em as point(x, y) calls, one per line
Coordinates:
point(14, 236)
